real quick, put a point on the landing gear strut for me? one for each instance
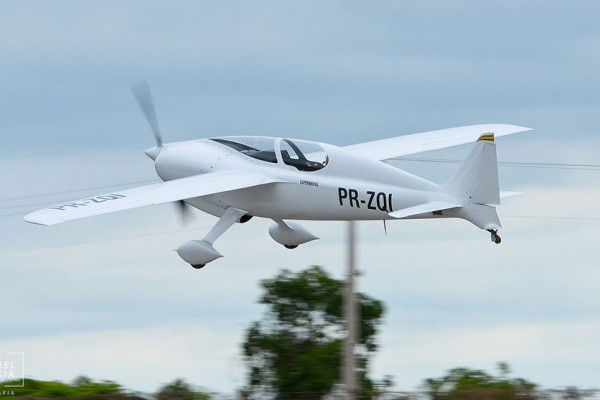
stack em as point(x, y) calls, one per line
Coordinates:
point(495, 237)
point(198, 253)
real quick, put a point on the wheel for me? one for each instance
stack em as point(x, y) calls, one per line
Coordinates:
point(245, 218)
point(290, 246)
point(198, 266)
point(495, 237)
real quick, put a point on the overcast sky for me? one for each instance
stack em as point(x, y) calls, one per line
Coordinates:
point(107, 296)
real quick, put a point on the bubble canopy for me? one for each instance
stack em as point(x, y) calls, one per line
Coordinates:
point(302, 155)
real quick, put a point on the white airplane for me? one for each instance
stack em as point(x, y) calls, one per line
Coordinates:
point(237, 178)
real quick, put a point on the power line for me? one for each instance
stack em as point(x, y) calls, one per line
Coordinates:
point(59, 193)
point(552, 217)
point(110, 239)
point(567, 166)
point(589, 167)
point(34, 196)
point(198, 229)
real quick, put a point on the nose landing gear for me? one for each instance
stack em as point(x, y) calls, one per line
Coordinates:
point(495, 237)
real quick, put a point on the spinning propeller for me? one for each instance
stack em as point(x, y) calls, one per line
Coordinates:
point(141, 92)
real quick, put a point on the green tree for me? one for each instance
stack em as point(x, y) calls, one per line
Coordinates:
point(294, 351)
point(469, 384)
point(180, 390)
point(86, 387)
point(81, 388)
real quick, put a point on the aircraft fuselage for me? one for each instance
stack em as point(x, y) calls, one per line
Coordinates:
point(346, 187)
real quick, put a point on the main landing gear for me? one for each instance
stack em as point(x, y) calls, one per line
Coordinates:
point(495, 237)
point(198, 253)
point(289, 234)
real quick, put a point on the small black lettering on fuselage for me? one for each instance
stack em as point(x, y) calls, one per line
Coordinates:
point(91, 200)
point(309, 183)
point(371, 200)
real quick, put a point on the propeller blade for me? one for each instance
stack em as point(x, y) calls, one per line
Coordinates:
point(185, 213)
point(141, 92)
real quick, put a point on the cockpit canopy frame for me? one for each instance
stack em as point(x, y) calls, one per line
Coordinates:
point(302, 155)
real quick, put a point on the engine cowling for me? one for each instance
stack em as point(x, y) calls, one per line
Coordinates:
point(198, 253)
point(290, 234)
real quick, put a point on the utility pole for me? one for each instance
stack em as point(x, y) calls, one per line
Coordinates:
point(351, 317)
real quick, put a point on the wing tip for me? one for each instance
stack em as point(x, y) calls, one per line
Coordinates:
point(496, 130)
point(507, 129)
point(34, 218)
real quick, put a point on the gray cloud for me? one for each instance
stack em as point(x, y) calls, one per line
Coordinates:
point(340, 72)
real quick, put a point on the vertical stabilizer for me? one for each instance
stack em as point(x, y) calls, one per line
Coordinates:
point(476, 180)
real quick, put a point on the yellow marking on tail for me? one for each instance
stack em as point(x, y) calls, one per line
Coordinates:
point(487, 136)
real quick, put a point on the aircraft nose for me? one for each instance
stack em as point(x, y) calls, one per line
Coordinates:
point(152, 152)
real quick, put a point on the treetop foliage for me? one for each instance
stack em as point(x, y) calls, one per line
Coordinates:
point(295, 350)
point(83, 387)
point(180, 390)
point(464, 383)
point(310, 303)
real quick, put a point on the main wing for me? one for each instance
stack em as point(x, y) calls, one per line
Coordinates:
point(164, 192)
point(410, 144)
